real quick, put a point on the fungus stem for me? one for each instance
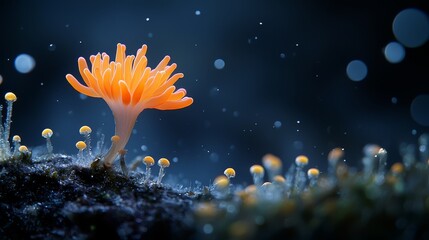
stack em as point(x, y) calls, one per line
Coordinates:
point(124, 168)
point(162, 163)
point(49, 146)
point(10, 98)
point(8, 119)
point(124, 122)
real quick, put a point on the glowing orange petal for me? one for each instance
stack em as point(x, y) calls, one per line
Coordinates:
point(127, 69)
point(82, 65)
point(125, 92)
point(161, 65)
point(152, 84)
point(138, 72)
point(96, 63)
point(172, 80)
point(179, 94)
point(81, 88)
point(158, 100)
point(115, 90)
point(117, 75)
point(184, 102)
point(105, 62)
point(120, 53)
point(140, 53)
point(137, 94)
point(93, 83)
point(105, 82)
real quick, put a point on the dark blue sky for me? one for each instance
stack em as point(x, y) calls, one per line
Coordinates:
point(284, 61)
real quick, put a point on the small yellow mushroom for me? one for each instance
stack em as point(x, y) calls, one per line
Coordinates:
point(16, 138)
point(162, 163)
point(279, 180)
point(257, 172)
point(80, 145)
point(313, 173)
point(273, 164)
point(115, 139)
point(10, 97)
point(149, 162)
point(16, 144)
point(47, 133)
point(86, 132)
point(229, 173)
point(221, 182)
point(301, 161)
point(397, 168)
point(23, 149)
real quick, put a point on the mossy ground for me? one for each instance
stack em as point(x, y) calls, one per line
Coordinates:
point(58, 200)
point(55, 199)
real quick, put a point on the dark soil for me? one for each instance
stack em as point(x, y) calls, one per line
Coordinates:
point(55, 199)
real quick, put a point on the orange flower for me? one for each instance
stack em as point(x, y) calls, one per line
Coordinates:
point(128, 86)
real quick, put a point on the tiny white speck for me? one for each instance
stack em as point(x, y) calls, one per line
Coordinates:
point(147, 19)
point(198, 12)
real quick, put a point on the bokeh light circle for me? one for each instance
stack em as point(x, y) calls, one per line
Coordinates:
point(219, 64)
point(420, 109)
point(394, 52)
point(356, 70)
point(24, 63)
point(411, 27)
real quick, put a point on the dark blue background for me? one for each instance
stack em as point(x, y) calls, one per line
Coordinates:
point(232, 126)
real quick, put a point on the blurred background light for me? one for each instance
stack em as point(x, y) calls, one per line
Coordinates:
point(420, 109)
point(356, 70)
point(24, 63)
point(394, 52)
point(411, 27)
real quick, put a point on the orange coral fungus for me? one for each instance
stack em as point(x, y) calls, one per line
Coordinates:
point(128, 86)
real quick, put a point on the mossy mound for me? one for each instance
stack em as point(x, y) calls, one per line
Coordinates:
point(55, 199)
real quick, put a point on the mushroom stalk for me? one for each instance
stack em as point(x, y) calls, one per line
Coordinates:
point(124, 122)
